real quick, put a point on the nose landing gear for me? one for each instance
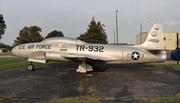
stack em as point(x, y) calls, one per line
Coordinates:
point(30, 67)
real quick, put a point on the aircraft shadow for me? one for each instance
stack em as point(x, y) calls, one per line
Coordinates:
point(97, 67)
point(104, 67)
point(123, 93)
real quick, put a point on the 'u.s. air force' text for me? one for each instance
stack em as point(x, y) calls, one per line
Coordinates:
point(90, 48)
point(34, 47)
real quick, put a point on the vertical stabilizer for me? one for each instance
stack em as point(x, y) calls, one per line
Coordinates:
point(154, 40)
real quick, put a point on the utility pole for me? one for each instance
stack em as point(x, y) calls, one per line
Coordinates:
point(141, 34)
point(116, 27)
point(114, 36)
point(177, 49)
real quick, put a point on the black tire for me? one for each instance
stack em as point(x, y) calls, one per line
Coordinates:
point(30, 67)
point(91, 64)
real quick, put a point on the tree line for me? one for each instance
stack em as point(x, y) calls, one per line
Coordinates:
point(95, 34)
point(32, 34)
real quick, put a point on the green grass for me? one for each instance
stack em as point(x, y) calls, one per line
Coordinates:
point(3, 101)
point(170, 66)
point(81, 84)
point(93, 99)
point(23, 63)
point(6, 53)
point(81, 99)
point(93, 91)
point(175, 99)
point(11, 64)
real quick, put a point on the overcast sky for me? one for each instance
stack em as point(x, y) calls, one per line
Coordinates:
point(72, 17)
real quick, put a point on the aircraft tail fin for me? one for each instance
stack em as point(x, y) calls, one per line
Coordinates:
point(154, 40)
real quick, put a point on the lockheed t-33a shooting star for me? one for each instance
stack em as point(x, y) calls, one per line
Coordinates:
point(69, 49)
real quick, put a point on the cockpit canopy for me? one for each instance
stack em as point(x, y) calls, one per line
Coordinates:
point(68, 40)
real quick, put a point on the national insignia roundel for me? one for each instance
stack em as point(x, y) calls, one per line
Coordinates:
point(135, 55)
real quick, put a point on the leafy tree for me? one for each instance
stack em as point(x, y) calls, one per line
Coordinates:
point(55, 33)
point(95, 34)
point(8, 47)
point(81, 37)
point(2, 26)
point(4, 46)
point(28, 34)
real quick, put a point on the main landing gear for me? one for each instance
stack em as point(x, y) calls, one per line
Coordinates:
point(30, 67)
point(84, 67)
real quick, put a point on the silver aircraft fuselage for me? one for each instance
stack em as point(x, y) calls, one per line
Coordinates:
point(69, 49)
point(115, 54)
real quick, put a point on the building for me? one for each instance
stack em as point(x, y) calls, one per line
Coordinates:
point(3, 50)
point(169, 39)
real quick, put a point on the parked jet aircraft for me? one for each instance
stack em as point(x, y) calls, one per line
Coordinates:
point(68, 49)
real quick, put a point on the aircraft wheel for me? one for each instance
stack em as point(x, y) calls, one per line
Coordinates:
point(30, 67)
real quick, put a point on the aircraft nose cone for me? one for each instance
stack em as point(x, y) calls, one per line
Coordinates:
point(15, 51)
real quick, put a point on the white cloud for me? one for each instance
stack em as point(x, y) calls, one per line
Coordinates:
point(171, 23)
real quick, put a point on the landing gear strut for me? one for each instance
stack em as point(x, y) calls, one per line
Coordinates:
point(30, 67)
point(84, 67)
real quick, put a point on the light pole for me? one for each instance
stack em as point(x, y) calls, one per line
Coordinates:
point(141, 34)
point(114, 36)
point(141, 27)
point(116, 27)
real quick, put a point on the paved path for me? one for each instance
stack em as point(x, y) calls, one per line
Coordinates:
point(9, 57)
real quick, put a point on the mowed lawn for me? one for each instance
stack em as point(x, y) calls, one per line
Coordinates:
point(6, 53)
point(11, 64)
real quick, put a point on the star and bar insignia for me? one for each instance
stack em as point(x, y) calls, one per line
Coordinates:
point(135, 55)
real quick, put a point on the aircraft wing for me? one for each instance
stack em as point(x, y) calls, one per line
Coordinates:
point(88, 56)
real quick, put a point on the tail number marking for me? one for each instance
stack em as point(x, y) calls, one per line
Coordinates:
point(90, 48)
point(153, 40)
